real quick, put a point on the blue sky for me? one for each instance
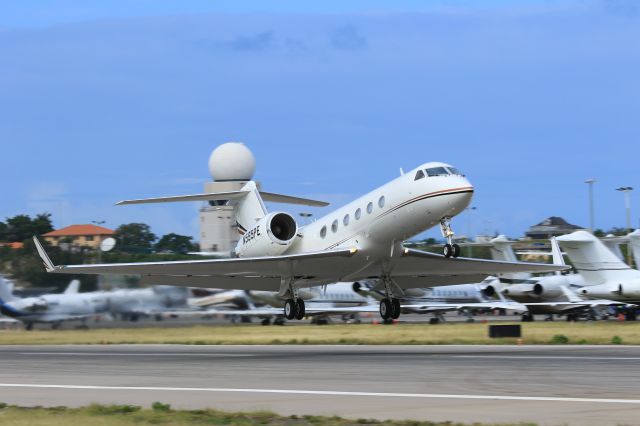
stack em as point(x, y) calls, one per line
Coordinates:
point(102, 101)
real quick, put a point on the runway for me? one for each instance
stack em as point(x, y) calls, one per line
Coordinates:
point(550, 385)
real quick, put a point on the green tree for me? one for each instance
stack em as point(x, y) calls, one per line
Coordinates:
point(3, 231)
point(135, 237)
point(174, 243)
point(22, 227)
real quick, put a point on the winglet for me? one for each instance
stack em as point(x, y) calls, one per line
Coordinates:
point(48, 264)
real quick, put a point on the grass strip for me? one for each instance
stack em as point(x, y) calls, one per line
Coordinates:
point(601, 332)
point(163, 414)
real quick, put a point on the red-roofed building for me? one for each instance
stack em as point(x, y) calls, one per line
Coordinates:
point(15, 246)
point(79, 235)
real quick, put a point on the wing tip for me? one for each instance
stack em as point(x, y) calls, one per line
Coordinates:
point(48, 264)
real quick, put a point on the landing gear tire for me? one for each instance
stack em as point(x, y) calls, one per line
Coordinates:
point(527, 317)
point(447, 250)
point(290, 309)
point(266, 321)
point(385, 309)
point(456, 250)
point(300, 309)
point(395, 308)
point(29, 326)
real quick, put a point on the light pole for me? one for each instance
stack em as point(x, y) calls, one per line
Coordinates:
point(590, 182)
point(626, 190)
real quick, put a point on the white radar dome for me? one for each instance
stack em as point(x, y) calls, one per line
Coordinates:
point(232, 161)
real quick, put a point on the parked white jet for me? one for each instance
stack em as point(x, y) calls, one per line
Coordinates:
point(438, 300)
point(362, 240)
point(51, 308)
point(606, 275)
point(550, 294)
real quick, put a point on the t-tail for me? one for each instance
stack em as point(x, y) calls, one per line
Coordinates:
point(634, 245)
point(248, 202)
point(502, 250)
point(593, 260)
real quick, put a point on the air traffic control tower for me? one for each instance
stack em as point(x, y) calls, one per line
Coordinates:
point(231, 165)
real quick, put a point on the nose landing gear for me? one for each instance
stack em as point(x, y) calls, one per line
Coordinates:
point(450, 249)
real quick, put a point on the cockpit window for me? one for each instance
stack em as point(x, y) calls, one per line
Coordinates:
point(454, 171)
point(437, 171)
point(419, 175)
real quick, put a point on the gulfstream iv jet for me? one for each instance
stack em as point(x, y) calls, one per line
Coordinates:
point(361, 240)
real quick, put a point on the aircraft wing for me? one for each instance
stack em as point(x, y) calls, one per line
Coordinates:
point(252, 273)
point(415, 269)
point(412, 269)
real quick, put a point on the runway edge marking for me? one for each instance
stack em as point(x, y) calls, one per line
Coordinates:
point(328, 393)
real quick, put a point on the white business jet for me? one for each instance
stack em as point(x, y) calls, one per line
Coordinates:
point(605, 274)
point(361, 240)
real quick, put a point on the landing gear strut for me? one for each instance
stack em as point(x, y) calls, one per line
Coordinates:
point(389, 306)
point(450, 249)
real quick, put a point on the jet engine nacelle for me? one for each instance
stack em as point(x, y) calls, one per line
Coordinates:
point(489, 291)
point(518, 290)
point(621, 291)
point(547, 291)
point(271, 236)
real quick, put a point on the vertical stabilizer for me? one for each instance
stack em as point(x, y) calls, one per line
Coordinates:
point(73, 287)
point(250, 208)
point(6, 291)
point(593, 260)
point(634, 245)
point(613, 244)
point(502, 250)
point(556, 253)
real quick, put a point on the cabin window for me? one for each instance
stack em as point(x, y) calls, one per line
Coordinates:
point(358, 214)
point(369, 208)
point(419, 175)
point(345, 221)
point(381, 202)
point(334, 226)
point(323, 232)
point(437, 171)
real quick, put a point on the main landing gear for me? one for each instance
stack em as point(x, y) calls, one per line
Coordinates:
point(450, 249)
point(294, 309)
point(294, 305)
point(390, 308)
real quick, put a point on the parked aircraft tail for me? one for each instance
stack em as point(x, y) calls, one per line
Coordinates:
point(6, 291)
point(634, 245)
point(613, 244)
point(502, 249)
point(73, 287)
point(593, 260)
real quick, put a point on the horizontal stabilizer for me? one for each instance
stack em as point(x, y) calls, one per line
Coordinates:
point(225, 196)
point(288, 199)
point(214, 196)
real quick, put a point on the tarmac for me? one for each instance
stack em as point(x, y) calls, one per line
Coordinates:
point(550, 385)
